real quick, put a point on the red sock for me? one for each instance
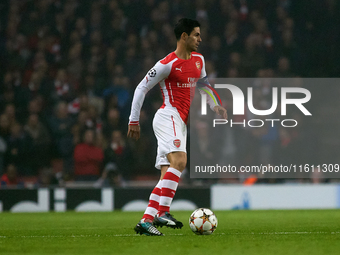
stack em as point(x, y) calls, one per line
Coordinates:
point(152, 208)
point(169, 187)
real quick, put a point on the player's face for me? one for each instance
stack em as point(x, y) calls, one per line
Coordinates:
point(194, 39)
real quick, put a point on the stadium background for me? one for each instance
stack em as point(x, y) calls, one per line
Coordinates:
point(68, 66)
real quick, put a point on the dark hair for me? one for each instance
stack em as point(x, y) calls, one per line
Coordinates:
point(185, 25)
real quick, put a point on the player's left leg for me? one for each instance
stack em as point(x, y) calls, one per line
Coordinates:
point(154, 198)
point(145, 225)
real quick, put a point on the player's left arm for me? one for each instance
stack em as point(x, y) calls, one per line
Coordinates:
point(220, 110)
point(212, 101)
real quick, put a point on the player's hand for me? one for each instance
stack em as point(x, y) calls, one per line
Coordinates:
point(221, 111)
point(134, 132)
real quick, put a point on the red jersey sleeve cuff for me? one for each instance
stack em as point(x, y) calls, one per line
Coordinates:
point(134, 123)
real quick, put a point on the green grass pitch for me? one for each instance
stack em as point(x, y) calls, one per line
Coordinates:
point(238, 232)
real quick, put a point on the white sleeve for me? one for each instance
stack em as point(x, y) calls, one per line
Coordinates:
point(203, 89)
point(156, 74)
point(203, 72)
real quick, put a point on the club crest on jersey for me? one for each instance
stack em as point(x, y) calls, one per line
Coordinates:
point(152, 72)
point(198, 65)
point(177, 143)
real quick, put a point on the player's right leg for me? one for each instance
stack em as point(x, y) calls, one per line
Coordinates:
point(171, 152)
point(169, 186)
point(170, 131)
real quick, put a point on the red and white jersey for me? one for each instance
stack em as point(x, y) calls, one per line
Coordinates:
point(177, 79)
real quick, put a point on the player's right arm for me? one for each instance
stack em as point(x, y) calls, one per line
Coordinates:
point(156, 74)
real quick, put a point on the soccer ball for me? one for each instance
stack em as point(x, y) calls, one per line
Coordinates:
point(203, 221)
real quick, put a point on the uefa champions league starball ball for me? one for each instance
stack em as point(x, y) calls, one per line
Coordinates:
point(203, 221)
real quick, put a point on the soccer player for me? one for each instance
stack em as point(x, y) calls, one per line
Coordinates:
point(177, 75)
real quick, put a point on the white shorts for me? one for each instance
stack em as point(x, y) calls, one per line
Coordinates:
point(171, 134)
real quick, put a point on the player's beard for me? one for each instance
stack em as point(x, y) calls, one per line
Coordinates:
point(193, 48)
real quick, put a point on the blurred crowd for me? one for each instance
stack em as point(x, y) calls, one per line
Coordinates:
point(68, 69)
